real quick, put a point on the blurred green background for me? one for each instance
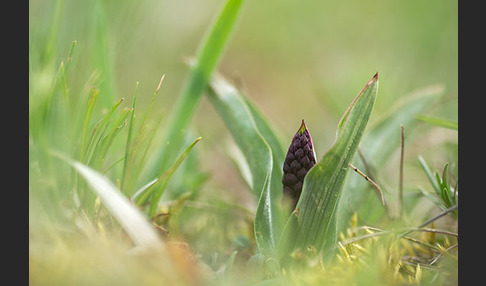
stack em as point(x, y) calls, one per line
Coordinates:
point(294, 59)
point(289, 56)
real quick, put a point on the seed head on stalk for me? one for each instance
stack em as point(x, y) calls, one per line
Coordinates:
point(299, 160)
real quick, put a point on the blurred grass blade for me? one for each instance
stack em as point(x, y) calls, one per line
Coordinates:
point(141, 144)
point(266, 177)
point(129, 217)
point(229, 265)
point(143, 189)
point(441, 122)
point(156, 187)
point(312, 225)
point(93, 95)
point(208, 55)
point(160, 185)
point(128, 147)
point(431, 197)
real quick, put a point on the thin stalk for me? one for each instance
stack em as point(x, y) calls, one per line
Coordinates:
point(93, 95)
point(129, 137)
point(375, 185)
point(432, 219)
point(151, 103)
point(100, 130)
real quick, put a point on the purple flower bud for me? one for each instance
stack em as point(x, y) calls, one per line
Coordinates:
point(299, 160)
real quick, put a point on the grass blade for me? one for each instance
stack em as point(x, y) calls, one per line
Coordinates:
point(313, 223)
point(429, 175)
point(129, 141)
point(207, 57)
point(129, 217)
point(161, 183)
point(93, 95)
point(441, 122)
point(143, 189)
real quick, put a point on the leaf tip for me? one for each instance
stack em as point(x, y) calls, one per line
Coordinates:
point(372, 80)
point(302, 127)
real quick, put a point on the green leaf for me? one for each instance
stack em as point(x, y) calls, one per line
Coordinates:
point(266, 177)
point(207, 58)
point(313, 222)
point(377, 146)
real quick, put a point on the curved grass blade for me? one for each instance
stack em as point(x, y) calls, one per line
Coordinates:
point(129, 217)
point(266, 183)
point(208, 55)
point(312, 225)
point(143, 189)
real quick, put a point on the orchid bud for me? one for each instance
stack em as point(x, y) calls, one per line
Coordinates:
point(299, 160)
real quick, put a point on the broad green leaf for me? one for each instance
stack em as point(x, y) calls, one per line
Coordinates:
point(207, 58)
point(266, 180)
point(377, 146)
point(313, 222)
point(130, 218)
point(238, 119)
